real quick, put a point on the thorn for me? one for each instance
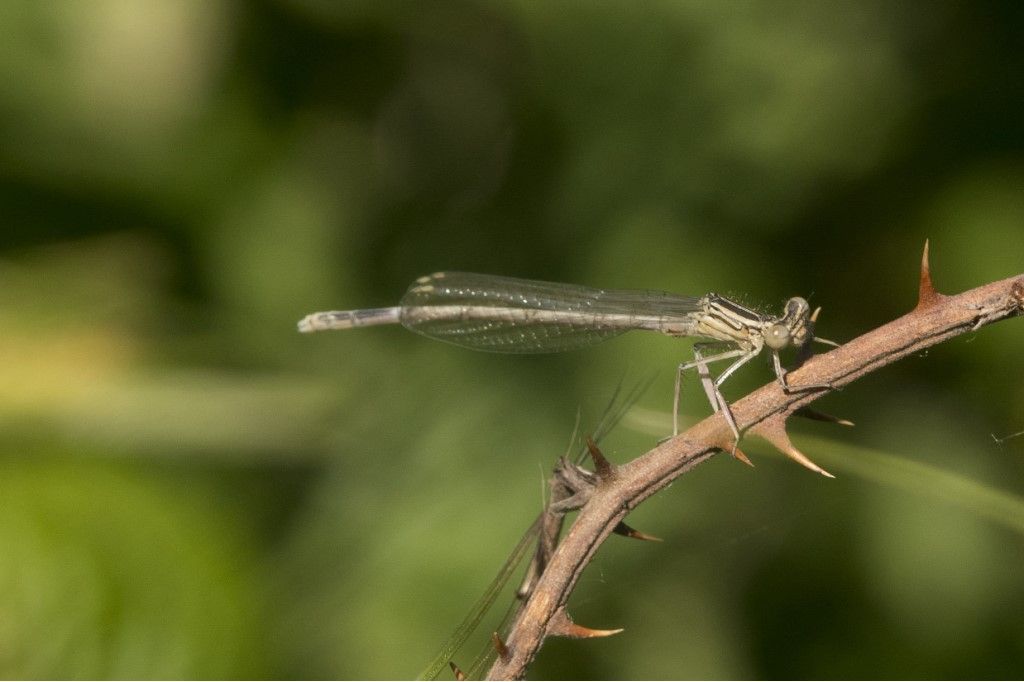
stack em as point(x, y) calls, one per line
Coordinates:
point(629, 532)
point(602, 466)
point(561, 625)
point(741, 456)
point(774, 431)
point(927, 296)
point(500, 647)
point(733, 448)
point(459, 675)
point(808, 413)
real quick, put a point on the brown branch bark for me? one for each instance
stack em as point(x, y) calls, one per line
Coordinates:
point(764, 412)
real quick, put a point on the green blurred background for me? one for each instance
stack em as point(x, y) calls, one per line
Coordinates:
point(189, 488)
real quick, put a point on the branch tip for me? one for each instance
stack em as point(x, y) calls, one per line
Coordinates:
point(561, 625)
point(630, 532)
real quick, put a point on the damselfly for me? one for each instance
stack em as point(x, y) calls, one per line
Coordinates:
point(510, 315)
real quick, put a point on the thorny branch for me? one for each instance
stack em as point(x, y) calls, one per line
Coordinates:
point(764, 412)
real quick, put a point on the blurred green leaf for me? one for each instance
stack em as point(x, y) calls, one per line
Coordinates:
point(108, 574)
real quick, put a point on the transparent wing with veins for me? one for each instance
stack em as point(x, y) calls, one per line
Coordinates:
point(511, 315)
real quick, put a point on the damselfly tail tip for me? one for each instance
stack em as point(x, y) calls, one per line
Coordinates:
point(334, 319)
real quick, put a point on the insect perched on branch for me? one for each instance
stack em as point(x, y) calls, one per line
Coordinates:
point(509, 315)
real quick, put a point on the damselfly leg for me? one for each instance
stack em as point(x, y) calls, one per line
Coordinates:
point(781, 373)
point(711, 386)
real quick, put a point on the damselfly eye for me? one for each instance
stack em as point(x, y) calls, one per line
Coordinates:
point(776, 337)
